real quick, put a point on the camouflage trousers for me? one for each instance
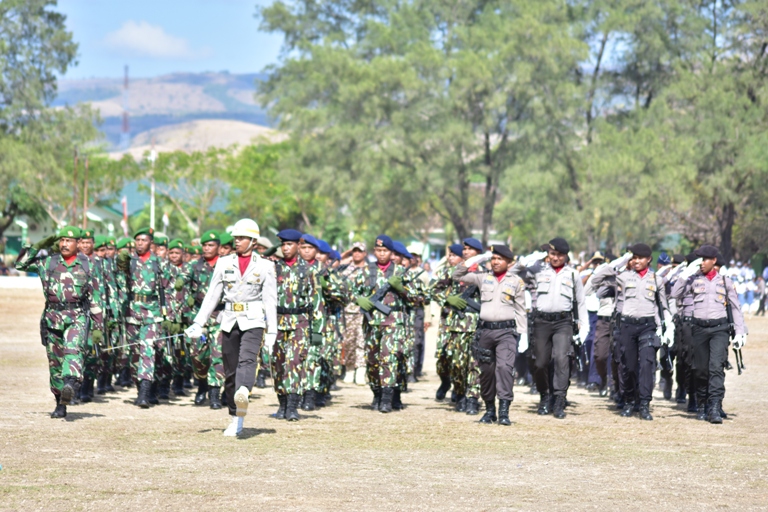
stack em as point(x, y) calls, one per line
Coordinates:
point(164, 350)
point(207, 360)
point(458, 349)
point(384, 355)
point(108, 358)
point(91, 357)
point(64, 357)
point(443, 358)
point(181, 360)
point(142, 350)
point(354, 341)
point(288, 357)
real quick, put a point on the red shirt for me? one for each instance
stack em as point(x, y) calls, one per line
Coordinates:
point(212, 261)
point(70, 259)
point(243, 261)
point(643, 272)
point(290, 262)
point(383, 268)
point(500, 276)
point(144, 257)
point(712, 274)
point(558, 269)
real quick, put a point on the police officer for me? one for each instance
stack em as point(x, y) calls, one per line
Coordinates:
point(641, 304)
point(715, 311)
point(503, 324)
point(246, 283)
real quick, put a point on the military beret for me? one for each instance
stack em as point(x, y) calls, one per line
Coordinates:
point(690, 257)
point(400, 249)
point(123, 243)
point(271, 251)
point(324, 247)
point(707, 251)
point(99, 241)
point(384, 241)
point(609, 256)
point(474, 243)
point(264, 242)
point(642, 250)
point(663, 259)
point(457, 249)
point(210, 236)
point(145, 231)
point(720, 260)
point(289, 235)
point(334, 255)
point(68, 232)
point(598, 256)
point(226, 239)
point(504, 251)
point(195, 249)
point(558, 244)
point(161, 240)
point(309, 239)
point(87, 233)
point(111, 241)
point(176, 243)
point(678, 259)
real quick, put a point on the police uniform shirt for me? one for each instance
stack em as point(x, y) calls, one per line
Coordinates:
point(607, 304)
point(709, 298)
point(500, 300)
point(635, 294)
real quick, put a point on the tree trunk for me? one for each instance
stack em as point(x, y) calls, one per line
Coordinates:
point(726, 231)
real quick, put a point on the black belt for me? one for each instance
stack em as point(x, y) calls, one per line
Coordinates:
point(637, 321)
point(553, 317)
point(292, 311)
point(709, 323)
point(63, 306)
point(604, 318)
point(687, 319)
point(507, 324)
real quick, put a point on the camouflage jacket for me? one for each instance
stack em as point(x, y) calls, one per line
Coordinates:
point(299, 298)
point(148, 284)
point(177, 300)
point(108, 292)
point(198, 278)
point(441, 286)
point(75, 285)
point(334, 296)
point(371, 278)
point(347, 275)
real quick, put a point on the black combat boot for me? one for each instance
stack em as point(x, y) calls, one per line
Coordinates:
point(629, 407)
point(714, 412)
point(143, 399)
point(291, 412)
point(504, 412)
point(666, 378)
point(68, 391)
point(680, 395)
point(386, 400)
point(187, 380)
point(261, 382)
point(224, 402)
point(309, 401)
point(490, 412)
point(124, 380)
point(108, 383)
point(215, 395)
point(178, 386)
point(692, 403)
point(559, 408)
point(544, 401)
point(461, 404)
point(645, 412)
point(397, 403)
point(701, 412)
point(320, 399)
point(376, 399)
point(473, 406)
point(153, 392)
point(202, 391)
point(101, 386)
point(283, 401)
point(60, 411)
point(85, 390)
point(164, 389)
point(445, 385)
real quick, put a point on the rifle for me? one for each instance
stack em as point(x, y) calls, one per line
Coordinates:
point(472, 305)
point(376, 299)
point(732, 331)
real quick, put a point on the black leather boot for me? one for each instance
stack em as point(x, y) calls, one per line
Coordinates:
point(202, 391)
point(153, 393)
point(283, 401)
point(291, 412)
point(645, 411)
point(68, 391)
point(445, 385)
point(261, 382)
point(215, 395)
point(178, 386)
point(701, 412)
point(397, 403)
point(490, 412)
point(714, 412)
point(85, 393)
point(544, 401)
point(124, 380)
point(376, 399)
point(504, 412)
point(320, 399)
point(666, 382)
point(559, 408)
point(473, 406)
point(680, 395)
point(143, 399)
point(187, 380)
point(60, 411)
point(164, 389)
point(309, 401)
point(692, 403)
point(101, 386)
point(461, 404)
point(629, 407)
point(386, 400)
point(108, 384)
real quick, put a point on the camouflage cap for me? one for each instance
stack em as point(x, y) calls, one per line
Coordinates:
point(99, 241)
point(210, 236)
point(160, 240)
point(145, 231)
point(123, 243)
point(360, 246)
point(68, 232)
point(226, 239)
point(87, 233)
point(176, 243)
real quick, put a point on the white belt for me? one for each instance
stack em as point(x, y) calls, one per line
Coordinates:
point(241, 306)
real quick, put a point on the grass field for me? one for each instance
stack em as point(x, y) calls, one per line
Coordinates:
point(110, 455)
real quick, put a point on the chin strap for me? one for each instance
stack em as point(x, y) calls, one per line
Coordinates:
point(249, 248)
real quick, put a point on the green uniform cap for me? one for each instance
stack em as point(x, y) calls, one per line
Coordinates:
point(111, 241)
point(176, 243)
point(145, 231)
point(210, 236)
point(99, 241)
point(226, 239)
point(68, 232)
point(87, 233)
point(161, 240)
point(196, 249)
point(123, 243)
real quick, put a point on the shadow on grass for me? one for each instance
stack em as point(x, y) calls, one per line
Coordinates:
point(76, 416)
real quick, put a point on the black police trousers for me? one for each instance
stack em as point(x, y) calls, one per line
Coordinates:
point(637, 366)
point(552, 340)
point(240, 351)
point(498, 376)
point(602, 348)
point(710, 351)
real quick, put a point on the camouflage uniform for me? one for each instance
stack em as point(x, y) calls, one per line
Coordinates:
point(91, 352)
point(107, 359)
point(442, 354)
point(353, 339)
point(335, 297)
point(65, 322)
point(207, 359)
point(177, 302)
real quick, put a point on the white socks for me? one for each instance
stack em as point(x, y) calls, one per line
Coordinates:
point(235, 428)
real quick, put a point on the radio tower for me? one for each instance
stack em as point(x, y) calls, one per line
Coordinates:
point(125, 134)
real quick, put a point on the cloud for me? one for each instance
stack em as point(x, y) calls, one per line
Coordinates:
point(145, 40)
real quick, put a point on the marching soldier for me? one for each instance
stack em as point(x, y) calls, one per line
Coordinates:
point(354, 341)
point(112, 317)
point(177, 301)
point(309, 250)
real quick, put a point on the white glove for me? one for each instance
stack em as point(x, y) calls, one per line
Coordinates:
point(479, 259)
point(522, 344)
point(676, 271)
point(663, 270)
point(194, 331)
point(532, 258)
point(691, 269)
point(583, 333)
point(577, 340)
point(621, 262)
point(659, 334)
point(269, 340)
point(669, 337)
point(739, 340)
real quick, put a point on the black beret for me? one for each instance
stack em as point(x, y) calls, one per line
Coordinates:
point(457, 249)
point(707, 251)
point(642, 250)
point(559, 244)
point(474, 243)
point(678, 258)
point(720, 260)
point(690, 257)
point(503, 251)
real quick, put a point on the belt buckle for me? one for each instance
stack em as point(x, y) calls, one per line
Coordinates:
point(237, 306)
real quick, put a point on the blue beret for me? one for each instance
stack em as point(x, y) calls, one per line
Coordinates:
point(473, 243)
point(663, 259)
point(289, 235)
point(384, 241)
point(399, 248)
point(309, 239)
point(458, 249)
point(324, 247)
point(334, 255)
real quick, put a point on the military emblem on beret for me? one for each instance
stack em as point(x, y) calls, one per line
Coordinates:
point(70, 233)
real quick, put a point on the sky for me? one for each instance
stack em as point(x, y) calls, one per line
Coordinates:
point(156, 37)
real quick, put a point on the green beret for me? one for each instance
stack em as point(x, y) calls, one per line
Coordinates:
point(145, 231)
point(111, 241)
point(226, 239)
point(99, 241)
point(176, 243)
point(86, 233)
point(161, 240)
point(123, 243)
point(195, 249)
point(210, 236)
point(68, 232)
